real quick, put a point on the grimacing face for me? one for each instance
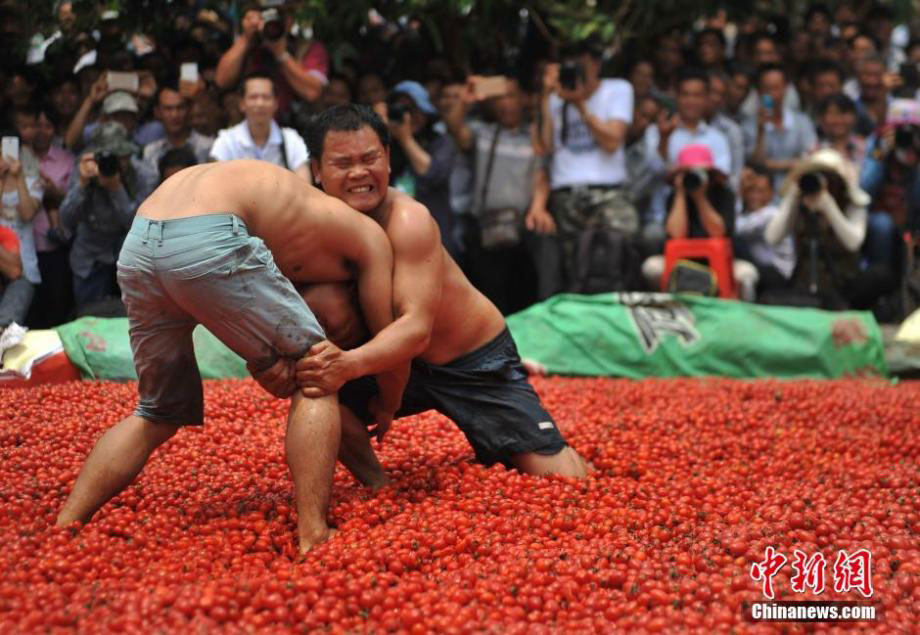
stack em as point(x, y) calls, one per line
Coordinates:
point(354, 167)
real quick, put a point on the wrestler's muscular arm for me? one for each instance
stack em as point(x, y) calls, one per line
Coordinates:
point(417, 274)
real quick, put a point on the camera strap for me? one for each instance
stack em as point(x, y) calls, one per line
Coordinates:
point(490, 162)
point(284, 159)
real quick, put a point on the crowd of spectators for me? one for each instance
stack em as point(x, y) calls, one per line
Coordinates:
point(796, 138)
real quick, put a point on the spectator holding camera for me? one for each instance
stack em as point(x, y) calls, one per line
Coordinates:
point(422, 159)
point(258, 136)
point(824, 210)
point(701, 205)
point(20, 200)
point(173, 110)
point(891, 176)
point(53, 297)
point(584, 124)
point(298, 70)
point(779, 136)
point(105, 190)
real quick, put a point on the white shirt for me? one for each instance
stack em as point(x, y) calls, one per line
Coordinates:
point(750, 228)
point(580, 160)
point(237, 143)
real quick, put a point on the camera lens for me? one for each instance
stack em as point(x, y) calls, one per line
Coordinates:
point(810, 183)
point(692, 181)
point(396, 111)
point(108, 164)
point(272, 31)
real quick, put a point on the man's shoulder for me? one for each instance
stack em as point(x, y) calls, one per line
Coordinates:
point(615, 86)
point(408, 219)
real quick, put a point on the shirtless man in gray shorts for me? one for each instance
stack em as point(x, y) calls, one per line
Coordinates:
point(218, 245)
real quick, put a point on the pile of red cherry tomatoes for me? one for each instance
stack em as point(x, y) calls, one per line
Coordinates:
point(694, 480)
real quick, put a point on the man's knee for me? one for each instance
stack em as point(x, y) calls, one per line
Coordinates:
point(333, 304)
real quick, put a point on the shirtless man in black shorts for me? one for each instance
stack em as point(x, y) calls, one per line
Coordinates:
point(464, 361)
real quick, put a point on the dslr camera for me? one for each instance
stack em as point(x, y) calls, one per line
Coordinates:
point(273, 25)
point(108, 164)
point(811, 183)
point(571, 74)
point(396, 111)
point(695, 179)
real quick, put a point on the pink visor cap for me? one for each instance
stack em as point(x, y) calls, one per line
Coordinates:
point(695, 155)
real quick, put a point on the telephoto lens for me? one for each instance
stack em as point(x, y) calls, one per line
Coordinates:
point(811, 183)
point(396, 111)
point(108, 164)
point(273, 28)
point(695, 179)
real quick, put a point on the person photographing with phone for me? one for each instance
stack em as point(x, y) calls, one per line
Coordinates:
point(779, 136)
point(20, 197)
point(583, 125)
point(105, 190)
point(509, 191)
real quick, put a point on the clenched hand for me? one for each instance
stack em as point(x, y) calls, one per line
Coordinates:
point(323, 370)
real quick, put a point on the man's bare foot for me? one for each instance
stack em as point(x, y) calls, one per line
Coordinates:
point(307, 543)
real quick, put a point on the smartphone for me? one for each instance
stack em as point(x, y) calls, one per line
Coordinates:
point(122, 81)
point(767, 102)
point(188, 72)
point(492, 86)
point(11, 148)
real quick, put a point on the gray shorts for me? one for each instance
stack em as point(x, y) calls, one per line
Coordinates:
point(206, 270)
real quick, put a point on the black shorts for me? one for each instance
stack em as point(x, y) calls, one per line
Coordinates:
point(485, 392)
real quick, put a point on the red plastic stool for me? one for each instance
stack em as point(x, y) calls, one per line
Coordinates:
point(718, 251)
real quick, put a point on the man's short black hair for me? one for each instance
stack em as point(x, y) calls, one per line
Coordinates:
point(840, 102)
point(824, 66)
point(769, 68)
point(759, 36)
point(170, 86)
point(817, 8)
point(716, 33)
point(690, 74)
point(182, 157)
point(588, 46)
point(346, 118)
point(866, 35)
point(257, 75)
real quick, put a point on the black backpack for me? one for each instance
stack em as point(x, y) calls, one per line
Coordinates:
point(605, 261)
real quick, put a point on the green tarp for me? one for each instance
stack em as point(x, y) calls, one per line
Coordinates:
point(100, 348)
point(639, 335)
point(610, 335)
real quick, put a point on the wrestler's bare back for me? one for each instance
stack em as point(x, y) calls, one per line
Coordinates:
point(291, 216)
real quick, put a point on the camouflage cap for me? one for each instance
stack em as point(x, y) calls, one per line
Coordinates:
point(111, 137)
